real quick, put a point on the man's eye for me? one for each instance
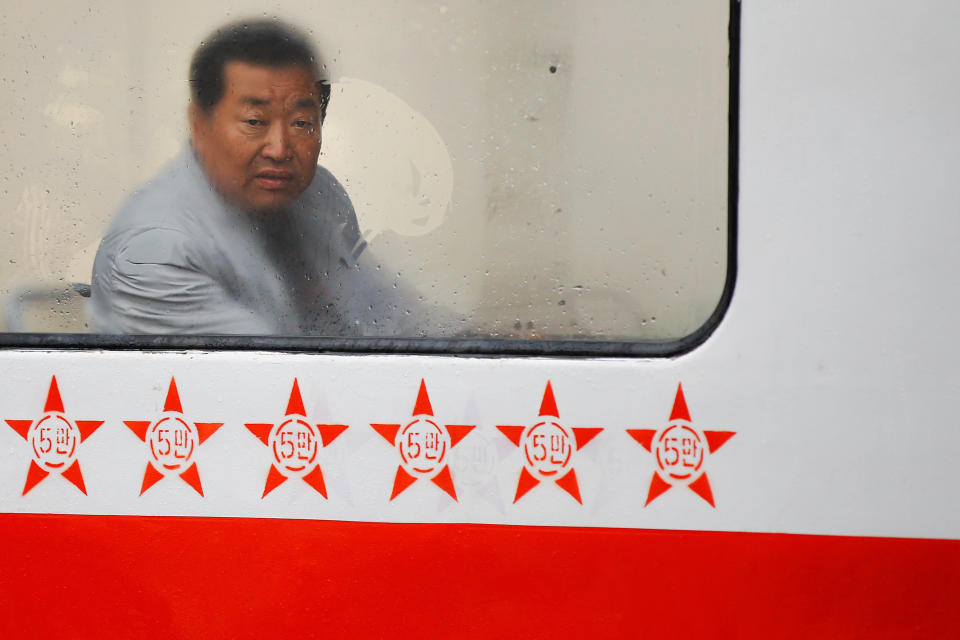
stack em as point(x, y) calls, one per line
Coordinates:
point(303, 124)
point(253, 122)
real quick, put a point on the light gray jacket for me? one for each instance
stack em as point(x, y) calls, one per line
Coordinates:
point(179, 259)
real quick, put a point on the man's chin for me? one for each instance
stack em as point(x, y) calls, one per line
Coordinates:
point(269, 203)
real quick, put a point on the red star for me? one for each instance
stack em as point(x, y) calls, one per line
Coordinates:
point(423, 445)
point(548, 449)
point(679, 450)
point(172, 443)
point(294, 445)
point(53, 440)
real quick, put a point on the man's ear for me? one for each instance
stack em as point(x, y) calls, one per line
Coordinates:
point(192, 115)
point(323, 96)
point(196, 117)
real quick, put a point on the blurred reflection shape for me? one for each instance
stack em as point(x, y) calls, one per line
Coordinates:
point(392, 161)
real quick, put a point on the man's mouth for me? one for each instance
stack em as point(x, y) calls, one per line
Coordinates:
point(274, 180)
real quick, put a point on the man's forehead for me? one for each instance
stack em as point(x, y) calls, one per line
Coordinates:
point(263, 83)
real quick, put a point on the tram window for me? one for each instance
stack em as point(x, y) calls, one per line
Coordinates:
point(534, 169)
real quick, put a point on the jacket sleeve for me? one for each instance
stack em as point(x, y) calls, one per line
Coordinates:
point(150, 285)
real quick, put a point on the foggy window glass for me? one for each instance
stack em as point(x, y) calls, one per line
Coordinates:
point(534, 169)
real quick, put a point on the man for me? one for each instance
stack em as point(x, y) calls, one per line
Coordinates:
point(243, 233)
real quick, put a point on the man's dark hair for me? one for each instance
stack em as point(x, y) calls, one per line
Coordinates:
point(263, 42)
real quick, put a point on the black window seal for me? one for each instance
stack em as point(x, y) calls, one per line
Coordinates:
point(473, 346)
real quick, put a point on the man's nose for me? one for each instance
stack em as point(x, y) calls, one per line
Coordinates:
point(276, 146)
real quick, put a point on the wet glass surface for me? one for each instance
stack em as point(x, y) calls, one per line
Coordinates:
point(535, 169)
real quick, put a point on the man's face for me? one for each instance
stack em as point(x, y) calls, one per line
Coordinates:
point(259, 144)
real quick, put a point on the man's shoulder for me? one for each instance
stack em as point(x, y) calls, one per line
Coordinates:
point(326, 192)
point(169, 199)
point(328, 205)
point(158, 224)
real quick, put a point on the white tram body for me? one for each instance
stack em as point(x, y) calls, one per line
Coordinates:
point(802, 482)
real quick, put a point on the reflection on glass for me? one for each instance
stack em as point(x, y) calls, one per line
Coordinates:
point(534, 169)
